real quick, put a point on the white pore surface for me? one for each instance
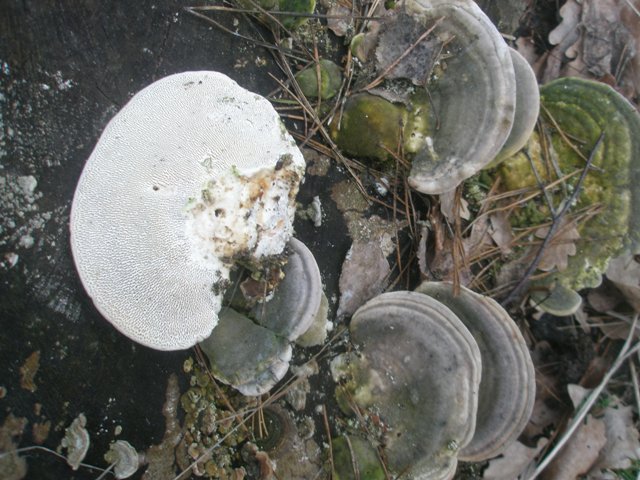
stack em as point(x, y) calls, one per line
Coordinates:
point(129, 217)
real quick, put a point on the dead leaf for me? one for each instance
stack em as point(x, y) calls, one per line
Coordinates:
point(605, 297)
point(577, 394)
point(513, 461)
point(570, 13)
point(451, 209)
point(599, 40)
point(339, 19)
point(501, 231)
point(560, 248)
point(563, 36)
point(441, 263)
point(365, 274)
point(604, 36)
point(624, 272)
point(580, 452)
point(526, 47)
point(479, 240)
point(398, 34)
point(622, 437)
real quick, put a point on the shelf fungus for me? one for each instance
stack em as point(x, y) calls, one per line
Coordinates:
point(481, 95)
point(507, 385)
point(417, 369)
point(193, 175)
point(582, 120)
point(124, 458)
point(438, 377)
point(251, 350)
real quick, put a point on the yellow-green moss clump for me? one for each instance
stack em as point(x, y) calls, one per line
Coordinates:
point(372, 127)
point(575, 113)
point(330, 80)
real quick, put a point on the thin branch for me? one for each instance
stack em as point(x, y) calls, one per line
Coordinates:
point(221, 8)
point(626, 352)
point(515, 293)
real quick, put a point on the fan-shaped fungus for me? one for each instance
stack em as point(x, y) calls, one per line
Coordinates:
point(418, 369)
point(192, 174)
point(507, 385)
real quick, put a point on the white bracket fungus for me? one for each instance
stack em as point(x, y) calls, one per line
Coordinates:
point(193, 173)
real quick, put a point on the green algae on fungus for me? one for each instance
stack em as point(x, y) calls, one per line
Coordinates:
point(295, 6)
point(575, 113)
point(374, 127)
point(292, 6)
point(352, 453)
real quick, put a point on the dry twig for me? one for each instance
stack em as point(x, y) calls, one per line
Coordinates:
point(555, 224)
point(625, 353)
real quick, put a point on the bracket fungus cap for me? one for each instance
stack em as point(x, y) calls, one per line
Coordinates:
point(583, 119)
point(247, 356)
point(252, 352)
point(193, 171)
point(527, 107)
point(296, 301)
point(507, 386)
point(476, 92)
point(419, 370)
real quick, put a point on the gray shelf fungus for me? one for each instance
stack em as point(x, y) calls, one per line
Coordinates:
point(191, 174)
point(483, 97)
point(527, 108)
point(252, 352)
point(507, 385)
point(449, 377)
point(284, 313)
point(476, 92)
point(417, 368)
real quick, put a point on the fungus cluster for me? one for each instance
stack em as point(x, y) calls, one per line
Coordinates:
point(449, 377)
point(193, 178)
point(251, 351)
point(482, 96)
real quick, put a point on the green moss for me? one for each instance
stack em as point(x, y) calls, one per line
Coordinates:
point(352, 450)
point(330, 80)
point(371, 127)
point(298, 6)
point(582, 111)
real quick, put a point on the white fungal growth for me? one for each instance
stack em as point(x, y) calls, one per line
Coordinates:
point(148, 245)
point(243, 214)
